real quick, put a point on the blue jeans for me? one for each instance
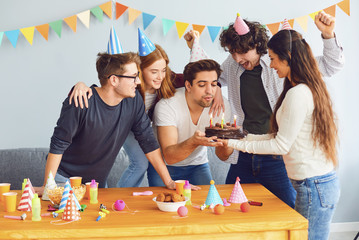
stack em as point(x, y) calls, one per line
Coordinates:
point(61, 179)
point(133, 175)
point(195, 174)
point(317, 198)
point(268, 170)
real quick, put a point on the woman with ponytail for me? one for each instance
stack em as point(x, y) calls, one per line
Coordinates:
point(303, 130)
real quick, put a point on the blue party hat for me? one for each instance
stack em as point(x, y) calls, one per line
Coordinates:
point(145, 46)
point(114, 45)
point(213, 196)
point(65, 197)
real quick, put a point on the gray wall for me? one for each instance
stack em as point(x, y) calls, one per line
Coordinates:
point(35, 79)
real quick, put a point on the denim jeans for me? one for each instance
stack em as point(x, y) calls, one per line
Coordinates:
point(268, 170)
point(133, 175)
point(195, 174)
point(317, 198)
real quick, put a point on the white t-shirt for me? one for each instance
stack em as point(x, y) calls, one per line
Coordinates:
point(294, 139)
point(174, 112)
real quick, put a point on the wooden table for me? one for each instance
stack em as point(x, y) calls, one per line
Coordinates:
point(273, 220)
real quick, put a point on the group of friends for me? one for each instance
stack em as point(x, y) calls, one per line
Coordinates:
point(275, 88)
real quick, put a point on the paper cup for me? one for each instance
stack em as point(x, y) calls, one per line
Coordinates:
point(4, 188)
point(179, 186)
point(10, 201)
point(88, 189)
point(75, 181)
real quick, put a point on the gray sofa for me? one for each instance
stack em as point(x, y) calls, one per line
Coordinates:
point(17, 164)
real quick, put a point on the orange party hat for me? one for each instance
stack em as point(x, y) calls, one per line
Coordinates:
point(71, 213)
point(237, 195)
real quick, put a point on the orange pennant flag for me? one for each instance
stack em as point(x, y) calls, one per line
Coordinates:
point(181, 28)
point(44, 30)
point(345, 6)
point(133, 14)
point(291, 22)
point(71, 22)
point(120, 9)
point(28, 33)
point(198, 28)
point(107, 8)
point(330, 10)
point(273, 27)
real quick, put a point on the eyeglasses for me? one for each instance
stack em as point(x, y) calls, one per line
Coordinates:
point(124, 76)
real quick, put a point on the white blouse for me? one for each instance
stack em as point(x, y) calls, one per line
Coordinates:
point(294, 137)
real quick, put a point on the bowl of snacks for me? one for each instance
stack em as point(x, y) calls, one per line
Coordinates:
point(55, 194)
point(169, 202)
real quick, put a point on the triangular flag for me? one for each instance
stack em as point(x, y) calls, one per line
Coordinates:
point(13, 35)
point(345, 6)
point(97, 11)
point(120, 9)
point(213, 196)
point(43, 30)
point(291, 22)
point(312, 15)
point(28, 33)
point(50, 184)
point(25, 203)
point(198, 28)
point(237, 195)
point(72, 22)
point(167, 24)
point(330, 10)
point(85, 18)
point(70, 213)
point(181, 28)
point(273, 27)
point(56, 26)
point(107, 8)
point(133, 14)
point(213, 32)
point(1, 36)
point(147, 19)
point(303, 22)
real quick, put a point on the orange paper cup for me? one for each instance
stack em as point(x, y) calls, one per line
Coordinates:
point(179, 186)
point(75, 181)
point(10, 201)
point(88, 190)
point(4, 188)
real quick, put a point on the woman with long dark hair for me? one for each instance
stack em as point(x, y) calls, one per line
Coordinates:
point(303, 130)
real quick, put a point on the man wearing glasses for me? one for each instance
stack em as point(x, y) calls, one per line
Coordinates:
point(86, 141)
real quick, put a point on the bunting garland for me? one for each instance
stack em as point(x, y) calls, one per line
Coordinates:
point(147, 19)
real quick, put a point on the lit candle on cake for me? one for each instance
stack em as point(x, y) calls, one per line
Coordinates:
point(235, 120)
point(222, 122)
point(211, 120)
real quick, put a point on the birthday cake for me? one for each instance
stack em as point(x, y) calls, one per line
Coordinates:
point(227, 132)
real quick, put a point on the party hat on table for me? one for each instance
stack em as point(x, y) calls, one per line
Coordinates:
point(50, 184)
point(237, 195)
point(240, 26)
point(70, 210)
point(114, 45)
point(213, 196)
point(286, 25)
point(197, 52)
point(66, 195)
point(145, 46)
point(26, 197)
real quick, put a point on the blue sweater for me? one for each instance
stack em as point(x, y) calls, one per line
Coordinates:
point(91, 138)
